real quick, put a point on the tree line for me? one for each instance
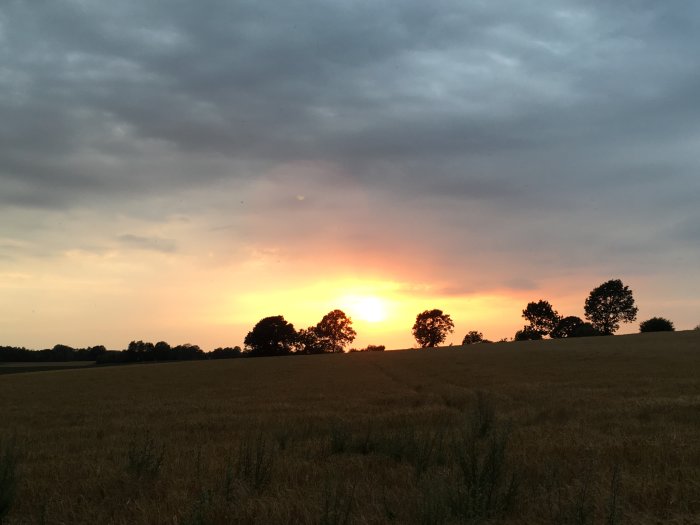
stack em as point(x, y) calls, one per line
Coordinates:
point(606, 307)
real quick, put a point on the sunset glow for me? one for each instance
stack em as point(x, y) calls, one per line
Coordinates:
point(365, 308)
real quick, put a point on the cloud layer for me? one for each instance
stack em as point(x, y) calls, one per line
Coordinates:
point(477, 147)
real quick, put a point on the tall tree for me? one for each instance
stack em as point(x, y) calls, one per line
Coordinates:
point(271, 336)
point(335, 331)
point(543, 318)
point(610, 304)
point(431, 328)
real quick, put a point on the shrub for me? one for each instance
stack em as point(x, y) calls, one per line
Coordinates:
point(656, 324)
point(527, 334)
point(473, 337)
point(585, 330)
point(566, 327)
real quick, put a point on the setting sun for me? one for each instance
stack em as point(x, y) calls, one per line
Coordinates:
point(366, 308)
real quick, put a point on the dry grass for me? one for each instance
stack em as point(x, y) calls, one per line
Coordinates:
point(599, 430)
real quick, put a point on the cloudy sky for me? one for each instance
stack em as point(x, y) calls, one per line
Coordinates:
point(178, 170)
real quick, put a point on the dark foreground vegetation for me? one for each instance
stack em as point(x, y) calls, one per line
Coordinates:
point(598, 430)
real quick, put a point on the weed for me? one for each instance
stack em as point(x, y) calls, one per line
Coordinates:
point(613, 513)
point(337, 504)
point(433, 505)
point(489, 485)
point(255, 461)
point(8, 476)
point(145, 456)
point(483, 415)
point(201, 509)
point(340, 438)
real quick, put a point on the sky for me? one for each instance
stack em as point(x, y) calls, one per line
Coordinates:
point(179, 170)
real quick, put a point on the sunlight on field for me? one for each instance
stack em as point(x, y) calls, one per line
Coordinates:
point(605, 428)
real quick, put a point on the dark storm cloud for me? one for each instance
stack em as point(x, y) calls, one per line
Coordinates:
point(587, 110)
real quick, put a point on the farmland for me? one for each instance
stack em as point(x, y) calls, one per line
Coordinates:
point(587, 430)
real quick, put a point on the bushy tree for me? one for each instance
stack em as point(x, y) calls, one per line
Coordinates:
point(335, 331)
point(139, 351)
point(527, 334)
point(161, 351)
point(308, 342)
point(431, 328)
point(566, 327)
point(610, 304)
point(473, 337)
point(586, 330)
point(270, 337)
point(656, 324)
point(543, 318)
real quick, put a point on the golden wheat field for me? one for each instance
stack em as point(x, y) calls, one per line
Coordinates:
point(582, 431)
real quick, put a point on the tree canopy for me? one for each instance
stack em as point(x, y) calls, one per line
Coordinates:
point(610, 304)
point(431, 328)
point(527, 334)
point(473, 337)
point(271, 336)
point(566, 327)
point(543, 318)
point(656, 324)
point(335, 331)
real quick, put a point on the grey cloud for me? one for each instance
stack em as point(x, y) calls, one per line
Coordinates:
point(156, 244)
point(539, 125)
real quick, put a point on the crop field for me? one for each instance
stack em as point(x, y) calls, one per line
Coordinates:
point(582, 431)
point(15, 368)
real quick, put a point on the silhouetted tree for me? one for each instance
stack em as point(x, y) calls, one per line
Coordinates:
point(186, 352)
point(225, 353)
point(139, 351)
point(271, 336)
point(94, 352)
point(308, 342)
point(566, 327)
point(541, 316)
point(63, 352)
point(369, 348)
point(431, 328)
point(586, 330)
point(335, 331)
point(473, 337)
point(656, 324)
point(527, 334)
point(608, 305)
point(161, 351)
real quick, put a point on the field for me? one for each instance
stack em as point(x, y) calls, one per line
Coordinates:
point(594, 430)
point(15, 368)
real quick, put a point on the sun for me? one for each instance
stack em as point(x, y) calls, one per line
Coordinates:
point(366, 308)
